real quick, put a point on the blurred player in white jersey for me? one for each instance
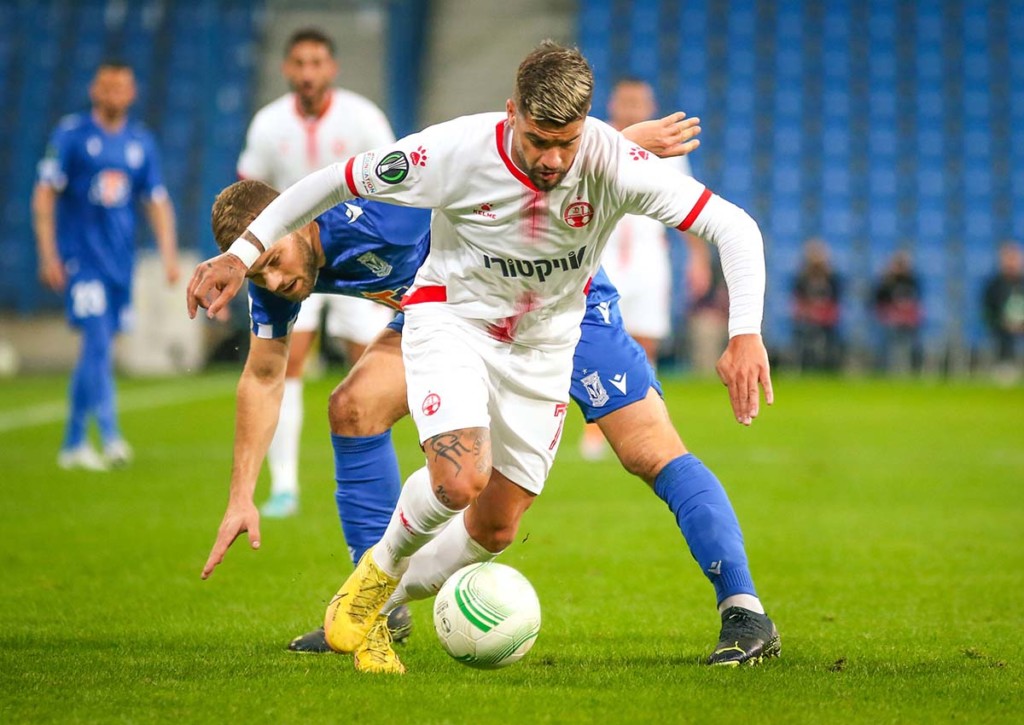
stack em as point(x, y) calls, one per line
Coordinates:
point(637, 258)
point(311, 127)
point(637, 255)
point(523, 202)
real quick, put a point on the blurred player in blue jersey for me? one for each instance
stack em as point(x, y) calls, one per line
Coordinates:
point(372, 250)
point(97, 165)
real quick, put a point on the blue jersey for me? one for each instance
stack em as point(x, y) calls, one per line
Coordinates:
point(373, 250)
point(98, 176)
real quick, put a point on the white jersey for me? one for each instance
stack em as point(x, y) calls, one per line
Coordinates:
point(638, 240)
point(638, 263)
point(510, 255)
point(283, 145)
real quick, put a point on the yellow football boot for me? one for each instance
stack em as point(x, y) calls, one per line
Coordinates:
point(376, 654)
point(354, 609)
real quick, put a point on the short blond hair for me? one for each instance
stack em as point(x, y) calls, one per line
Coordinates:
point(554, 85)
point(235, 207)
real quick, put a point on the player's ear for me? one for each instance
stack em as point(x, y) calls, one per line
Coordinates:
point(510, 108)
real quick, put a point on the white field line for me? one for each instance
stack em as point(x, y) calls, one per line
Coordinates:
point(187, 390)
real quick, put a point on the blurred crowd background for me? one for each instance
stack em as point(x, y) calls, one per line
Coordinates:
point(877, 143)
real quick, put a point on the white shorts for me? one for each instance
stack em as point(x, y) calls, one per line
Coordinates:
point(638, 264)
point(460, 377)
point(348, 318)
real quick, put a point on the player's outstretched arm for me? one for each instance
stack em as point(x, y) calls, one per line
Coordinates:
point(744, 366)
point(672, 135)
point(260, 389)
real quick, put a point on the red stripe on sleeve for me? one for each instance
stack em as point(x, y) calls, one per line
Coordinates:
point(349, 178)
point(695, 211)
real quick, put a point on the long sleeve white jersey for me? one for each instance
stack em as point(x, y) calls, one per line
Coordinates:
point(515, 257)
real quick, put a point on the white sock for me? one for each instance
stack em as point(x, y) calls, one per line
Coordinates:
point(430, 567)
point(747, 601)
point(283, 454)
point(417, 519)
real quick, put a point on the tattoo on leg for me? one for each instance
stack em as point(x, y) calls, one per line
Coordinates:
point(442, 496)
point(449, 447)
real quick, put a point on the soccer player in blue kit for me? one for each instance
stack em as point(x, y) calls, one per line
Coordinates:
point(97, 165)
point(373, 250)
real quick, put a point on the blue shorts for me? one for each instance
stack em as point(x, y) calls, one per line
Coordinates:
point(610, 370)
point(89, 296)
point(397, 323)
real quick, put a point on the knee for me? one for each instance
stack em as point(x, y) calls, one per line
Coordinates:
point(353, 414)
point(495, 536)
point(459, 490)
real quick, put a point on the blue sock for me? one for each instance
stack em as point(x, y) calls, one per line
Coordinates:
point(106, 407)
point(708, 523)
point(366, 470)
point(92, 376)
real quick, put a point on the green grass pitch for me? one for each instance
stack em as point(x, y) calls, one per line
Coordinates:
point(884, 522)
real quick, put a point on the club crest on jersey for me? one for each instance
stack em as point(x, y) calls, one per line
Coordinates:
point(393, 168)
point(578, 214)
point(539, 268)
point(375, 264)
point(595, 389)
point(431, 404)
point(110, 188)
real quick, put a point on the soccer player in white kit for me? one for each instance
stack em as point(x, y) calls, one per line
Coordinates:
point(524, 202)
point(306, 129)
point(636, 257)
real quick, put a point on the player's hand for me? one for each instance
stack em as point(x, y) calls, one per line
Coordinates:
point(673, 135)
point(743, 367)
point(214, 283)
point(238, 518)
point(51, 274)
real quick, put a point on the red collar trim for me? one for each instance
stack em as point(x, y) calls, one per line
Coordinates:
point(499, 135)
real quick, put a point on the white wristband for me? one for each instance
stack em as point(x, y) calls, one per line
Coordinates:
point(244, 250)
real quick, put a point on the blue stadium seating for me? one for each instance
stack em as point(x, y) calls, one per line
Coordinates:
point(879, 125)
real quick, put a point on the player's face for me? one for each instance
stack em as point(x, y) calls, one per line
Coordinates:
point(113, 91)
point(631, 103)
point(288, 269)
point(544, 152)
point(310, 71)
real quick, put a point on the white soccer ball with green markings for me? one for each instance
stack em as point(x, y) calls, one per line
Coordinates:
point(487, 615)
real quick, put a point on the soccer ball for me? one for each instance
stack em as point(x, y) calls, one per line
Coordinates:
point(487, 615)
